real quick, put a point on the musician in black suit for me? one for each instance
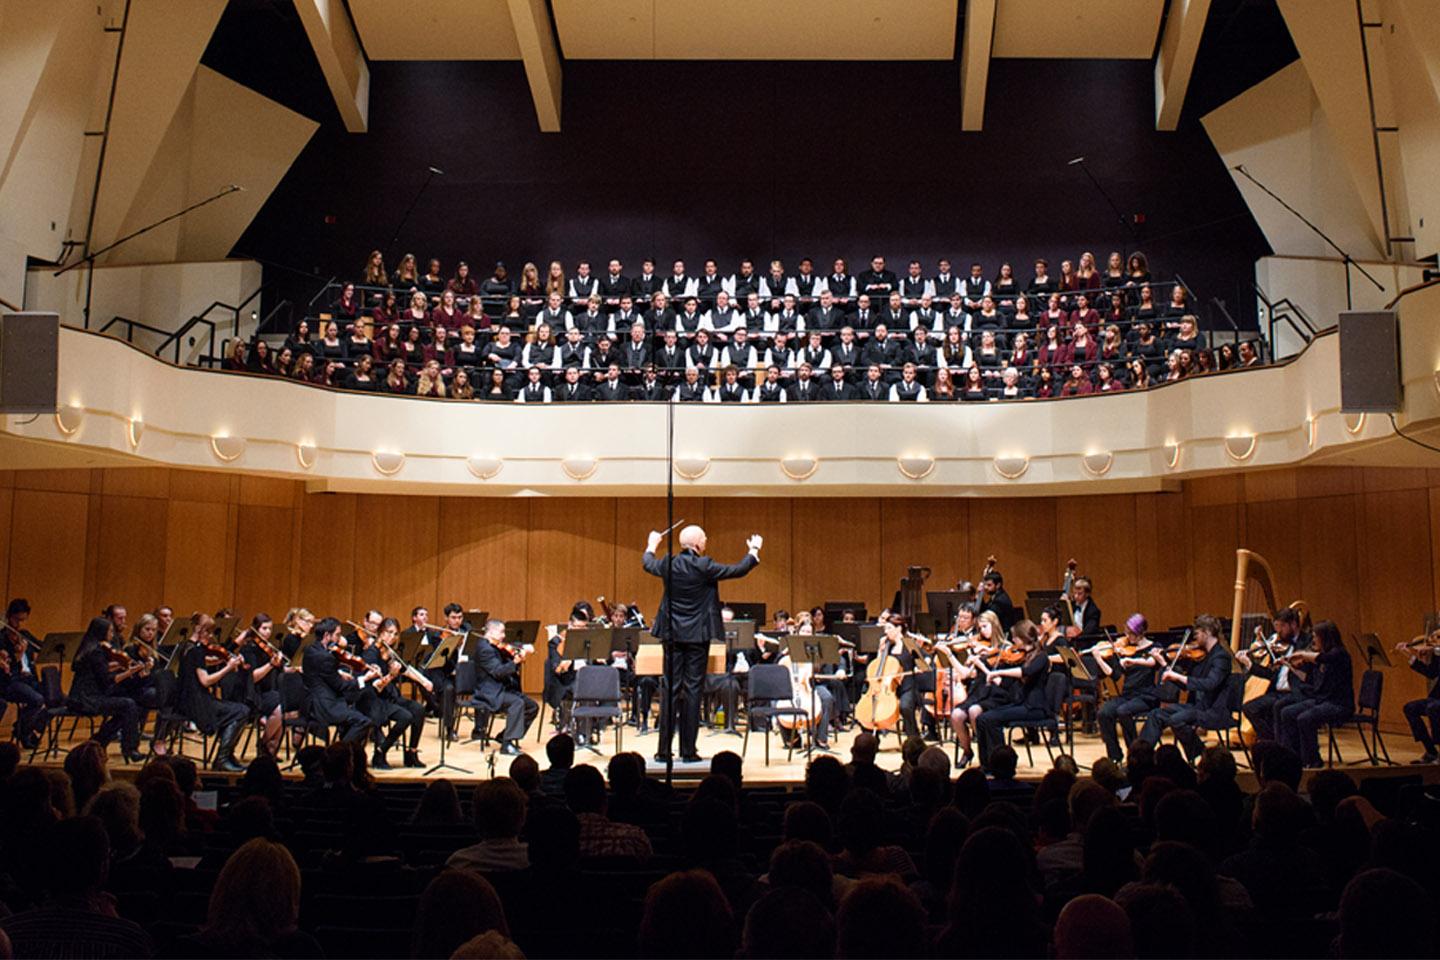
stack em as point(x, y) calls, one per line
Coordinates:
point(992, 596)
point(688, 619)
point(612, 387)
point(21, 686)
point(497, 687)
point(1207, 682)
point(1086, 613)
point(1421, 652)
point(1286, 686)
point(328, 687)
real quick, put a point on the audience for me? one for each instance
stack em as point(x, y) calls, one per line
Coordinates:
point(1139, 861)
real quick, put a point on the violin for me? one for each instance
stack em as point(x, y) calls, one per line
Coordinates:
point(348, 659)
point(215, 655)
point(117, 656)
point(275, 656)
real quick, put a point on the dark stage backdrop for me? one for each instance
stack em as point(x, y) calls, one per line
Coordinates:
point(728, 160)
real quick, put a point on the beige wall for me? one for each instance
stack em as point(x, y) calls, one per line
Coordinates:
point(1361, 545)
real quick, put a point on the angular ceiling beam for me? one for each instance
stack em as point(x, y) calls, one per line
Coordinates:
point(535, 33)
point(975, 62)
point(1178, 46)
point(332, 35)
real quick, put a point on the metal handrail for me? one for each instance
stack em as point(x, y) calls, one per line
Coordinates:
point(130, 326)
point(1287, 311)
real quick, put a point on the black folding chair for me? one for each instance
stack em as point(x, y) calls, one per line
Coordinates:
point(1367, 714)
point(1057, 692)
point(768, 684)
point(597, 697)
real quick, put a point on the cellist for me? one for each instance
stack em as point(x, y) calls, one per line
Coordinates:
point(802, 682)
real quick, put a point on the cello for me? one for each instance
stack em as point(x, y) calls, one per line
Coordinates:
point(879, 706)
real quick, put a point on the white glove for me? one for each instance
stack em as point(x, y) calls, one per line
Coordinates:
point(653, 541)
point(755, 542)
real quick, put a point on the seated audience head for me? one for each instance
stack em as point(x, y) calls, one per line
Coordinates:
point(1162, 925)
point(256, 897)
point(728, 764)
point(456, 905)
point(686, 915)
point(880, 918)
point(826, 782)
point(972, 792)
point(800, 863)
point(86, 764)
point(1092, 927)
point(439, 804)
point(560, 751)
point(117, 807)
point(585, 790)
point(1384, 913)
point(806, 820)
point(525, 771)
point(708, 831)
point(554, 838)
point(788, 922)
point(1003, 762)
point(77, 860)
point(499, 808)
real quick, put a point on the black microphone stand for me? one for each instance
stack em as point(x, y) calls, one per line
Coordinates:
point(1348, 260)
point(89, 259)
point(1119, 214)
point(667, 695)
point(390, 249)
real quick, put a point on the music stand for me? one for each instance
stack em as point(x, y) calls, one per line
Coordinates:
point(172, 666)
point(818, 650)
point(930, 624)
point(519, 633)
point(58, 647)
point(748, 611)
point(835, 610)
point(1034, 606)
point(589, 643)
point(225, 629)
point(1371, 650)
point(945, 604)
point(740, 634)
point(869, 637)
point(1073, 663)
point(408, 643)
point(439, 654)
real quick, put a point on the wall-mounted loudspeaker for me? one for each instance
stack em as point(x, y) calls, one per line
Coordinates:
point(29, 362)
point(1369, 361)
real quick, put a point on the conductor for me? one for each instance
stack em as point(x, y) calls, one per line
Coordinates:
point(688, 620)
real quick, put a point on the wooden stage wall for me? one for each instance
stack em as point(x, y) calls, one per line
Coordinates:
point(1361, 545)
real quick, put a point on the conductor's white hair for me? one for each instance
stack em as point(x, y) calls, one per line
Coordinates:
point(691, 536)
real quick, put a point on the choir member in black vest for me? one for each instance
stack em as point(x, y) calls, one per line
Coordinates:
point(660, 316)
point(583, 285)
point(388, 706)
point(572, 389)
point(885, 353)
point(745, 283)
point(612, 387)
point(635, 352)
point(827, 318)
point(678, 286)
point(873, 387)
point(92, 690)
point(1329, 697)
point(740, 354)
point(731, 390)
point(805, 389)
point(1285, 685)
point(625, 317)
point(771, 391)
point(877, 282)
point(841, 286)
point(689, 321)
point(914, 287)
point(650, 386)
point(1134, 662)
point(805, 284)
point(775, 284)
point(204, 665)
point(615, 286)
point(723, 320)
point(670, 358)
point(709, 285)
point(604, 354)
point(593, 322)
point(534, 390)
point(925, 315)
point(975, 288)
point(20, 685)
point(693, 390)
point(555, 314)
point(846, 352)
point(1421, 652)
point(756, 321)
point(908, 389)
point(1206, 682)
point(648, 283)
point(329, 686)
point(944, 283)
point(837, 387)
point(893, 315)
point(701, 352)
point(573, 352)
point(497, 686)
point(923, 354)
point(814, 352)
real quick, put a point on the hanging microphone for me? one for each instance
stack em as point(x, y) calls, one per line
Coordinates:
point(1239, 168)
point(437, 170)
point(1072, 163)
point(234, 187)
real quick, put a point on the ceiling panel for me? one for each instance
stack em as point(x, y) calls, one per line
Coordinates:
point(1082, 29)
point(435, 29)
point(756, 29)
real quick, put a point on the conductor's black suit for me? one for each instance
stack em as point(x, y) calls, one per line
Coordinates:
point(688, 620)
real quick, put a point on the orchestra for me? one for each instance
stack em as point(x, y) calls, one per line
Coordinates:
point(968, 680)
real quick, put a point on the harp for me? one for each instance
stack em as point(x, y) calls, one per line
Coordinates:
point(1255, 606)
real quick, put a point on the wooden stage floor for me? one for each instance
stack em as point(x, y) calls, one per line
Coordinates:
point(481, 763)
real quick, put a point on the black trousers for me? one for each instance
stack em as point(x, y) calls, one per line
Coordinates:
point(383, 711)
point(725, 687)
point(351, 724)
point(1263, 711)
point(520, 711)
point(688, 665)
point(25, 693)
point(1122, 711)
point(1416, 713)
point(122, 719)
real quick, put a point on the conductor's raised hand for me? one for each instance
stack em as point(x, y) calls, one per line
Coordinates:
point(755, 543)
point(653, 541)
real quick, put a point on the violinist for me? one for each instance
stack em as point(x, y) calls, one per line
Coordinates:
point(18, 674)
point(377, 641)
point(1206, 681)
point(203, 665)
point(1421, 654)
point(441, 677)
point(558, 690)
point(93, 689)
point(265, 668)
point(1328, 695)
point(151, 689)
point(982, 642)
point(328, 685)
point(1136, 659)
point(298, 624)
point(497, 686)
point(1285, 685)
point(1030, 704)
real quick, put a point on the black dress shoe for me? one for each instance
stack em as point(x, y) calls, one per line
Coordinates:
point(224, 765)
point(662, 758)
point(378, 762)
point(689, 758)
point(412, 759)
point(511, 749)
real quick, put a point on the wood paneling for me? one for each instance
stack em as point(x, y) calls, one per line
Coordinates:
point(264, 538)
point(1271, 530)
point(635, 517)
point(151, 482)
point(1162, 561)
point(195, 562)
point(1021, 534)
point(1397, 584)
point(1329, 582)
point(729, 522)
point(932, 533)
point(329, 530)
point(823, 529)
point(7, 508)
point(395, 553)
point(47, 554)
point(131, 560)
point(1094, 531)
point(484, 553)
point(571, 555)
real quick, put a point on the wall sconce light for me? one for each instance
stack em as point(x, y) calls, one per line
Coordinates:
point(1240, 447)
point(388, 462)
point(134, 430)
point(1098, 464)
point(227, 448)
point(579, 468)
point(68, 419)
point(1172, 454)
point(692, 468)
point(1012, 467)
point(916, 467)
point(1354, 423)
point(799, 468)
point(305, 453)
point(484, 467)
point(1312, 431)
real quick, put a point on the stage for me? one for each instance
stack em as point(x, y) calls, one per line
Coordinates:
point(469, 761)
